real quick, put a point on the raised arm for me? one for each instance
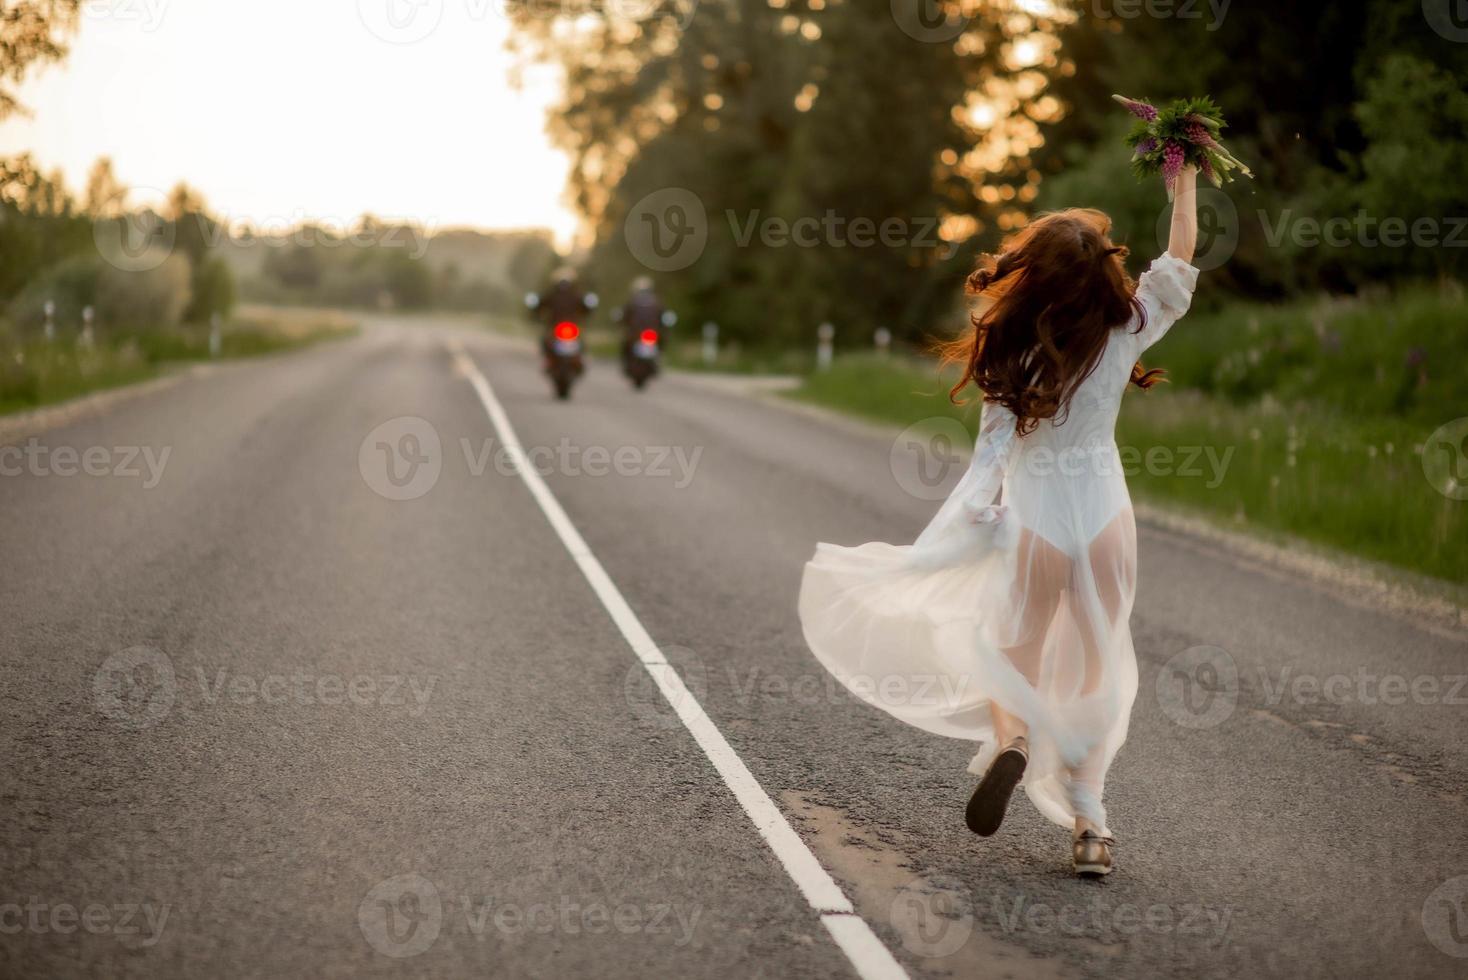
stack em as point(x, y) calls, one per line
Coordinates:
point(1166, 290)
point(1184, 239)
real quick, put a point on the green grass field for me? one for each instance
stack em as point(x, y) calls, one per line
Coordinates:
point(1308, 419)
point(35, 372)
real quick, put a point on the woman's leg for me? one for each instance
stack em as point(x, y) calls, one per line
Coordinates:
point(1042, 571)
point(1099, 606)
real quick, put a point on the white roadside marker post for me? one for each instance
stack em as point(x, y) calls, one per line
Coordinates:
point(883, 340)
point(50, 329)
point(710, 343)
point(216, 337)
point(825, 335)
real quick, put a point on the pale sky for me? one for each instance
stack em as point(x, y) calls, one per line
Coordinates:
point(280, 110)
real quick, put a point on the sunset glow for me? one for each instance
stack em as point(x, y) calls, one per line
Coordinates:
point(280, 111)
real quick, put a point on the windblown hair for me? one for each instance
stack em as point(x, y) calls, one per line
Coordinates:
point(1059, 287)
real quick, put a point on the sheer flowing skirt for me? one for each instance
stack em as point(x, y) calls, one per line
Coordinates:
point(1035, 623)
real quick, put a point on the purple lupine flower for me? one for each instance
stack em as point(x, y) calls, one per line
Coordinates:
point(1207, 167)
point(1172, 163)
point(1201, 135)
point(1138, 108)
point(1146, 146)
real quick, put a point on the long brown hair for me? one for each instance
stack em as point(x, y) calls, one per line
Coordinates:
point(1058, 288)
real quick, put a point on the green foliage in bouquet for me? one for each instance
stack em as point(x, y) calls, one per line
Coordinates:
point(1163, 141)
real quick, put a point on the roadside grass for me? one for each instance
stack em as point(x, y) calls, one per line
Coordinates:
point(35, 372)
point(730, 358)
point(1307, 419)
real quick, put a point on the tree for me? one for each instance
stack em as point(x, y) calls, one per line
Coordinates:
point(39, 224)
point(32, 32)
point(105, 195)
point(1301, 132)
point(798, 110)
point(1415, 117)
point(294, 266)
point(212, 289)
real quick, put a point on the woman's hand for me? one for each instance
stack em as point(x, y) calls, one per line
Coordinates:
point(1184, 240)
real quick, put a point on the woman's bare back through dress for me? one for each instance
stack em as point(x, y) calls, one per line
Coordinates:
point(1018, 593)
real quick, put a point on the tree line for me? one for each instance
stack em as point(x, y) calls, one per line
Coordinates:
point(977, 114)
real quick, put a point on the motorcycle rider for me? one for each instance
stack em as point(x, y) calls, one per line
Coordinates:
point(643, 311)
point(563, 301)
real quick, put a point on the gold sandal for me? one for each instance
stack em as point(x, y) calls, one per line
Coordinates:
point(1092, 854)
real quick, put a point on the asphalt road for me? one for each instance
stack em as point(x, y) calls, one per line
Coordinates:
point(260, 719)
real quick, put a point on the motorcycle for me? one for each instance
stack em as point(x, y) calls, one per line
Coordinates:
point(564, 361)
point(642, 363)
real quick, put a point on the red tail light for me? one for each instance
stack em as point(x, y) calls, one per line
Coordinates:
point(567, 331)
point(649, 337)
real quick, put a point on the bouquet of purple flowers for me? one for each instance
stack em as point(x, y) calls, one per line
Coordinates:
point(1186, 132)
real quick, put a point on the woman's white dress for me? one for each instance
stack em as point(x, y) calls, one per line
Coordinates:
point(1018, 593)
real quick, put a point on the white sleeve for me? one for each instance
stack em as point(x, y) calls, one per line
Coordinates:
point(971, 524)
point(992, 450)
point(1165, 292)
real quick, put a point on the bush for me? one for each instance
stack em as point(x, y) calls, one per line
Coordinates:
point(71, 284)
point(122, 299)
point(154, 298)
point(213, 291)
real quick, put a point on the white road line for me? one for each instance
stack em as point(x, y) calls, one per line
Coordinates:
point(869, 957)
